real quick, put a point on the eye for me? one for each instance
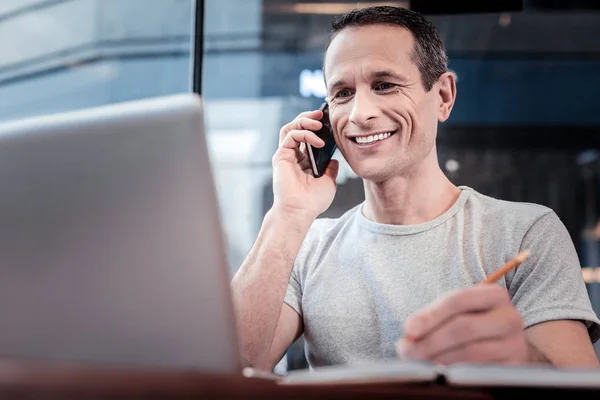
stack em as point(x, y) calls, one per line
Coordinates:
point(343, 93)
point(384, 86)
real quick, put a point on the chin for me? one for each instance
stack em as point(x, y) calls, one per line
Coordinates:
point(381, 171)
point(373, 173)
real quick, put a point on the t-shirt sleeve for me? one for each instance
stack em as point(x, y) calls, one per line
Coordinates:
point(549, 285)
point(293, 295)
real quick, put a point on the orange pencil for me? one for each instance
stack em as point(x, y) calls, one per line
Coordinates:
point(515, 262)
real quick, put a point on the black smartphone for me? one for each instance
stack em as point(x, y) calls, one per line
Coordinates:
point(320, 157)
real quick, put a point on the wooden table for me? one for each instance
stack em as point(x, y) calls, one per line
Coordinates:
point(21, 380)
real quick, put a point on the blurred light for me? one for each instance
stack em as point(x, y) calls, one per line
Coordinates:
point(331, 8)
point(312, 83)
point(100, 70)
point(587, 157)
point(591, 274)
point(341, 8)
point(504, 20)
point(233, 146)
point(452, 165)
point(454, 74)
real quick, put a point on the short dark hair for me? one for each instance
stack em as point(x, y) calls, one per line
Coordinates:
point(428, 53)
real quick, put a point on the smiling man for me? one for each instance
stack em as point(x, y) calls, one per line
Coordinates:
point(409, 260)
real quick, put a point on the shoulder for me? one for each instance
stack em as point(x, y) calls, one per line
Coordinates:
point(322, 236)
point(491, 206)
point(324, 230)
point(507, 216)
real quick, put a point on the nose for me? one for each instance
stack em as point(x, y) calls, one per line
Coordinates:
point(363, 109)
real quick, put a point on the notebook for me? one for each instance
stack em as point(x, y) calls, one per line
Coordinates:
point(402, 371)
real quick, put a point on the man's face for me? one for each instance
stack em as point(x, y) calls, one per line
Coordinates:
point(384, 121)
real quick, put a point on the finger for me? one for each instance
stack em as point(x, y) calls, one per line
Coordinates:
point(473, 299)
point(504, 351)
point(284, 154)
point(314, 114)
point(289, 149)
point(463, 329)
point(301, 152)
point(305, 122)
point(294, 138)
point(302, 158)
point(332, 169)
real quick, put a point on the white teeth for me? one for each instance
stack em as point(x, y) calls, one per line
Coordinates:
point(372, 138)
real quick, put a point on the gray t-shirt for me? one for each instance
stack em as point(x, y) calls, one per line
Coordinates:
point(355, 281)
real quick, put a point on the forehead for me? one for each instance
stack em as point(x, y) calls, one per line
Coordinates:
point(370, 47)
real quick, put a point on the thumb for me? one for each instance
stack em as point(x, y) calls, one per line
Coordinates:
point(332, 169)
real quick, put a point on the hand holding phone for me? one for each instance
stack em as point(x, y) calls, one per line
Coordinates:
point(319, 157)
point(292, 191)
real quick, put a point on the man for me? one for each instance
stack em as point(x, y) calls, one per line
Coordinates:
point(409, 261)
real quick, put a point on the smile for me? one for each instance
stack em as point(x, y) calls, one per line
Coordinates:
point(372, 138)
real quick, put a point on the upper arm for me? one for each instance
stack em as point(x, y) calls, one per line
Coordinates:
point(549, 292)
point(566, 343)
point(289, 328)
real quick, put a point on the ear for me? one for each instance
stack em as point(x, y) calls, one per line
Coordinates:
point(446, 95)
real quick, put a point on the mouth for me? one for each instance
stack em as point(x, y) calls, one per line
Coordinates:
point(369, 140)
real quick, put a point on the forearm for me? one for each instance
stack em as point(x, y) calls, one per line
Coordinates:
point(536, 356)
point(260, 284)
point(561, 343)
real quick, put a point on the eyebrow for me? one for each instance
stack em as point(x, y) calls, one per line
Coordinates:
point(381, 74)
point(387, 74)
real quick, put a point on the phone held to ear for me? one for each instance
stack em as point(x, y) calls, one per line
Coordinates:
point(320, 157)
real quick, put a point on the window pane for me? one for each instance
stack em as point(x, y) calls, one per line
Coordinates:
point(524, 126)
point(65, 55)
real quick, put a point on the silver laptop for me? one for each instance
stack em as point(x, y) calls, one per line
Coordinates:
point(111, 249)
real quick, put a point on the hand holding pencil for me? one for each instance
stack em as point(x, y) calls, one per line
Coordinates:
point(476, 324)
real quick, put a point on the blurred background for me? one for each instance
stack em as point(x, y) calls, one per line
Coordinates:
point(525, 127)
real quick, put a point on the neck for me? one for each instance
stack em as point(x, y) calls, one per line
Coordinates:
point(416, 197)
